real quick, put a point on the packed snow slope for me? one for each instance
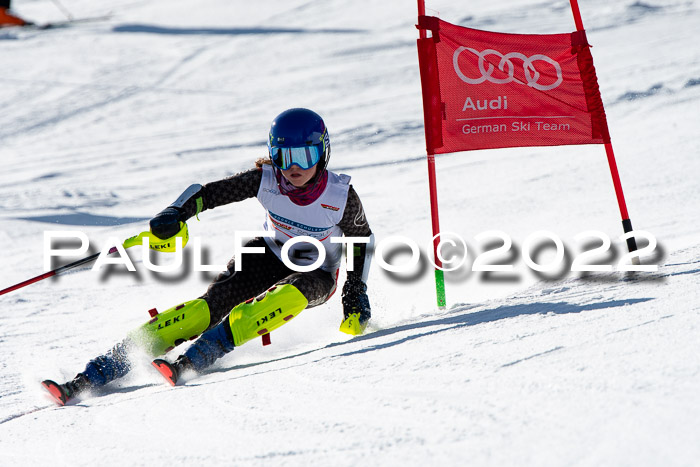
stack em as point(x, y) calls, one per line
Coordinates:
point(105, 123)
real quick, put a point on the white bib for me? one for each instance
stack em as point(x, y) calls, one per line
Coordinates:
point(318, 220)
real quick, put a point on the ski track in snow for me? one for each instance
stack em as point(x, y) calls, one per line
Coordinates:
point(105, 123)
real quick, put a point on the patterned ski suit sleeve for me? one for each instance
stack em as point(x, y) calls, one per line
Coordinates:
point(238, 187)
point(354, 224)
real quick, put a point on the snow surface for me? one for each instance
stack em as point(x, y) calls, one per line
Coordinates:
point(105, 123)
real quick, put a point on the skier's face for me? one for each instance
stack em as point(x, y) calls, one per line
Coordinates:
point(298, 176)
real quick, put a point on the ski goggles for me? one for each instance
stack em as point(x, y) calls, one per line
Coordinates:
point(305, 156)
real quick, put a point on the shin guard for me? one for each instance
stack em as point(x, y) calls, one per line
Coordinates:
point(265, 313)
point(172, 327)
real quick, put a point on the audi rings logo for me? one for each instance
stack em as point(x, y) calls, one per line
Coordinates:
point(506, 65)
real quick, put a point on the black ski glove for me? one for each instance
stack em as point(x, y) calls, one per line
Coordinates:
point(167, 222)
point(355, 300)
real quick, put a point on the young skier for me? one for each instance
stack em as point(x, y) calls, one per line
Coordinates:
point(302, 198)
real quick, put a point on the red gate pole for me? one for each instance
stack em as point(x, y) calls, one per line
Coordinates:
point(626, 222)
point(432, 182)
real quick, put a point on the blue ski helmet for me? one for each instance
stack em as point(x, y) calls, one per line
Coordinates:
point(299, 137)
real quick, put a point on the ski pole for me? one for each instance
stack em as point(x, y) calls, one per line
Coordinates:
point(154, 243)
point(55, 272)
point(64, 11)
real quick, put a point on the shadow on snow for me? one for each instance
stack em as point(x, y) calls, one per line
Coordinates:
point(169, 30)
point(85, 219)
point(448, 323)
